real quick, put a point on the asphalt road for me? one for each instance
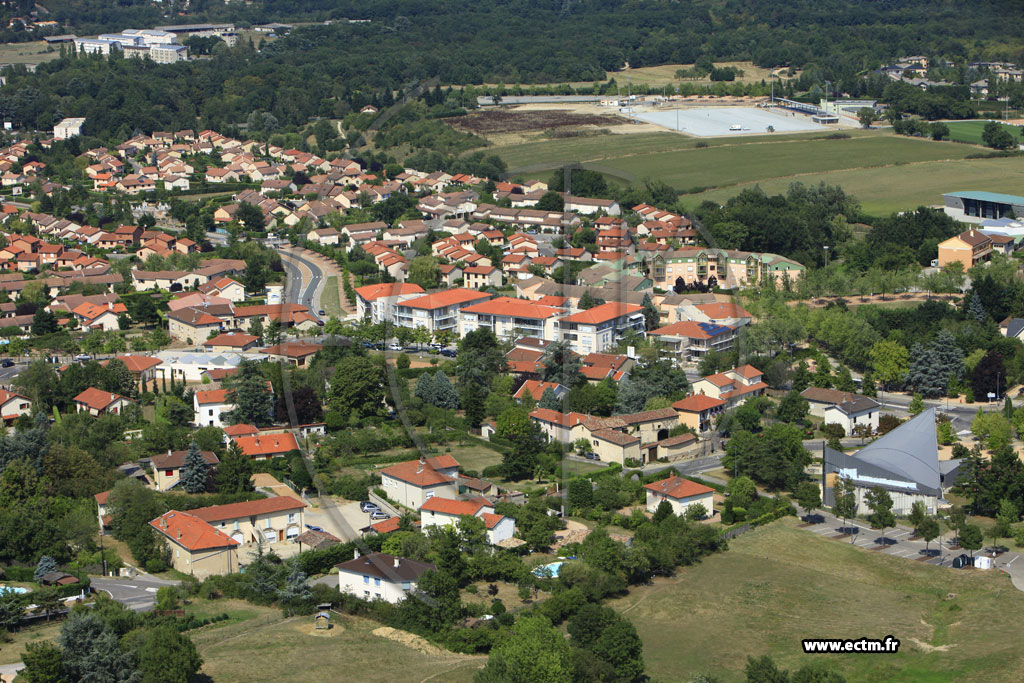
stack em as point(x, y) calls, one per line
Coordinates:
point(137, 594)
point(299, 288)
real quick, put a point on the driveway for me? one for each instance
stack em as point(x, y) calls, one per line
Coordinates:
point(138, 594)
point(339, 517)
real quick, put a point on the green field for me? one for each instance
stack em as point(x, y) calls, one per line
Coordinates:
point(970, 131)
point(778, 585)
point(875, 166)
point(269, 648)
point(884, 190)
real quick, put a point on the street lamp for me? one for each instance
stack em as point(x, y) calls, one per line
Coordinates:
point(826, 255)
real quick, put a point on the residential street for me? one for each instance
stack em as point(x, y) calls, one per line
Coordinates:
point(138, 594)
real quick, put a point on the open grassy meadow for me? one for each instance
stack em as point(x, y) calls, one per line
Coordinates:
point(28, 53)
point(886, 172)
point(779, 584)
point(270, 648)
point(894, 188)
point(970, 131)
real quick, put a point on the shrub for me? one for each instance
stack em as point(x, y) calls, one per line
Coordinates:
point(155, 565)
point(472, 589)
point(701, 145)
point(402, 362)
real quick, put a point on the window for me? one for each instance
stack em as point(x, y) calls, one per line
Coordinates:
point(366, 579)
point(376, 581)
point(406, 586)
point(366, 594)
point(378, 595)
point(291, 518)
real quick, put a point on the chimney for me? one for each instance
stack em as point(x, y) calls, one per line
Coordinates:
point(355, 554)
point(397, 560)
point(179, 533)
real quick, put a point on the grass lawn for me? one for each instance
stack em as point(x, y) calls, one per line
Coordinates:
point(11, 650)
point(272, 648)
point(778, 585)
point(330, 299)
point(884, 171)
point(475, 456)
point(970, 131)
point(884, 190)
point(28, 53)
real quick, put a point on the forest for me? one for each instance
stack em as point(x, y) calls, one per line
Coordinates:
point(329, 70)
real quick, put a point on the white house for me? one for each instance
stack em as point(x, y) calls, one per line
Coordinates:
point(13, 406)
point(209, 406)
point(379, 576)
point(68, 128)
point(412, 482)
point(437, 511)
point(681, 494)
point(167, 467)
point(843, 408)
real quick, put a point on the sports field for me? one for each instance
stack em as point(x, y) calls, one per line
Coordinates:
point(778, 584)
point(871, 164)
point(970, 131)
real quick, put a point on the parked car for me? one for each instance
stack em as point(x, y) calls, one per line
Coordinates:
point(379, 515)
point(448, 353)
point(367, 506)
point(313, 527)
point(395, 347)
point(83, 357)
point(962, 560)
point(320, 312)
point(591, 456)
point(7, 363)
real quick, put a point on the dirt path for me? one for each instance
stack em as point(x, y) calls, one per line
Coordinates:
point(855, 300)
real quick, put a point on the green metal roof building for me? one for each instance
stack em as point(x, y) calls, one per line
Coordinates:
point(973, 206)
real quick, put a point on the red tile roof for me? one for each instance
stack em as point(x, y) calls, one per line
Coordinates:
point(747, 371)
point(137, 364)
point(261, 506)
point(697, 403)
point(233, 339)
point(102, 497)
point(240, 430)
point(211, 396)
point(292, 349)
point(191, 532)
point(447, 506)
point(536, 388)
point(267, 444)
point(677, 487)
point(448, 297)
point(720, 310)
point(491, 520)
point(602, 313)
point(421, 474)
point(98, 400)
point(517, 308)
point(387, 526)
point(374, 292)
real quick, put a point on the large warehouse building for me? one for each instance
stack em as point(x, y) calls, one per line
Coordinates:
point(974, 206)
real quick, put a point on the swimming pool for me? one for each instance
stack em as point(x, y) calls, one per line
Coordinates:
point(550, 570)
point(20, 590)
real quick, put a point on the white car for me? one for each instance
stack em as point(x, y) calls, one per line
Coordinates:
point(395, 347)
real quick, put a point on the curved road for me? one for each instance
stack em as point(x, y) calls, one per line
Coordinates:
point(304, 282)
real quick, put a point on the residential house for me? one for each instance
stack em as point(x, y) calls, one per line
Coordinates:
point(231, 341)
point(196, 548)
point(732, 386)
point(192, 325)
point(293, 353)
point(699, 411)
point(412, 482)
point(13, 406)
point(438, 511)
point(969, 248)
point(536, 389)
point(167, 467)
point(264, 520)
point(846, 409)
point(265, 446)
point(377, 302)
point(481, 277)
point(97, 402)
point(681, 494)
point(209, 407)
point(509, 318)
point(379, 576)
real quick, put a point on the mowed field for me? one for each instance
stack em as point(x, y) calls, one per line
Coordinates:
point(28, 53)
point(779, 584)
point(970, 131)
point(885, 172)
point(267, 647)
point(666, 73)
